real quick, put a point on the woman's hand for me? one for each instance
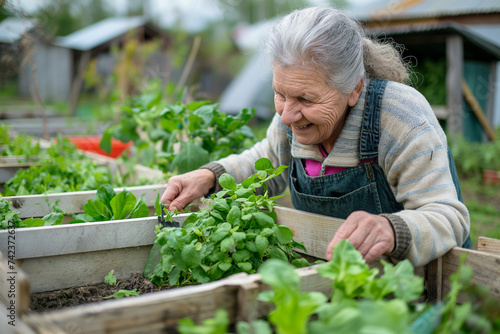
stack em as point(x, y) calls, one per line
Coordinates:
point(185, 188)
point(372, 235)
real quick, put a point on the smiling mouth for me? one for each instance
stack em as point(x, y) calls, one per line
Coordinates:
point(302, 127)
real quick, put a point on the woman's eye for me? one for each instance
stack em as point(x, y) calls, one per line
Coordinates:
point(303, 99)
point(279, 95)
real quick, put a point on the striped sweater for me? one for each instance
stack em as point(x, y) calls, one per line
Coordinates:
point(413, 155)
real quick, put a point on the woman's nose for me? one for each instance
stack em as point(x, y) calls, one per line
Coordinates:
point(291, 113)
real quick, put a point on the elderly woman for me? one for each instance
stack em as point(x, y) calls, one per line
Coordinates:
point(359, 143)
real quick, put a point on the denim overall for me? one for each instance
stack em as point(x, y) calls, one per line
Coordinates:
point(364, 187)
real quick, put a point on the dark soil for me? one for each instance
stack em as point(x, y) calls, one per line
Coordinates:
point(54, 300)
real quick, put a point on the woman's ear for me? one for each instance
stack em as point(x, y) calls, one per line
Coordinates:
point(354, 96)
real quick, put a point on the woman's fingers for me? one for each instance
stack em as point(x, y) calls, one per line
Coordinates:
point(185, 188)
point(371, 234)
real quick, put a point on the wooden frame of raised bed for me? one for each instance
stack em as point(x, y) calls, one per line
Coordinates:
point(30, 206)
point(73, 255)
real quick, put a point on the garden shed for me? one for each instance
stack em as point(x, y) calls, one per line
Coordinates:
point(96, 42)
point(67, 58)
point(28, 54)
point(462, 40)
point(461, 37)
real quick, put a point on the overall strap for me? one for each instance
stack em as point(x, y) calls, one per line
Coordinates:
point(370, 129)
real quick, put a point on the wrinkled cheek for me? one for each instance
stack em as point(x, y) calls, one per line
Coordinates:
point(278, 106)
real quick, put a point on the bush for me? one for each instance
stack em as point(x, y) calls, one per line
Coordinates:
point(472, 158)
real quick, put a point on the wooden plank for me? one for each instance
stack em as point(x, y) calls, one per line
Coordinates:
point(315, 231)
point(72, 202)
point(454, 76)
point(434, 280)
point(16, 327)
point(159, 312)
point(60, 272)
point(488, 245)
point(478, 111)
point(36, 242)
point(485, 267)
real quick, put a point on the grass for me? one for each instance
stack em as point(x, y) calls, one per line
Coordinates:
point(483, 202)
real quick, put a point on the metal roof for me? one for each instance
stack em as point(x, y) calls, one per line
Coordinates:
point(12, 28)
point(99, 33)
point(406, 9)
point(471, 34)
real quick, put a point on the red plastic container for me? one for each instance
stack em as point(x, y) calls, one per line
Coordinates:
point(91, 144)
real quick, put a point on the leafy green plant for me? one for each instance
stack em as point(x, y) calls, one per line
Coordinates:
point(23, 146)
point(478, 313)
point(236, 232)
point(429, 78)
point(366, 303)
point(179, 137)
point(472, 158)
point(10, 218)
point(123, 293)
point(65, 169)
point(216, 325)
point(111, 206)
point(110, 278)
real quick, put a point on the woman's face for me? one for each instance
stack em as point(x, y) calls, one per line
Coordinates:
point(312, 109)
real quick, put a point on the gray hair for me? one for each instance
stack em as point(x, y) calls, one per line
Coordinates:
point(328, 39)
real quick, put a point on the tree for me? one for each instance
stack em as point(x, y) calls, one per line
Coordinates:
point(62, 17)
point(253, 11)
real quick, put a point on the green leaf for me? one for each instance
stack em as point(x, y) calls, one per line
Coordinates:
point(261, 243)
point(191, 256)
point(300, 263)
point(220, 204)
point(122, 204)
point(267, 232)
point(32, 222)
point(239, 236)
point(190, 157)
point(140, 211)
point(225, 266)
point(348, 271)
point(277, 253)
point(200, 275)
point(263, 219)
point(234, 215)
point(242, 255)
point(105, 194)
point(400, 280)
point(217, 325)
point(227, 182)
point(292, 307)
point(110, 278)
point(105, 142)
point(174, 275)
point(245, 266)
point(283, 233)
point(250, 245)
point(218, 235)
point(123, 293)
point(53, 218)
point(227, 244)
point(97, 210)
point(264, 164)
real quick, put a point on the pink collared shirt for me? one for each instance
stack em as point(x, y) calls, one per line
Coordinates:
point(313, 167)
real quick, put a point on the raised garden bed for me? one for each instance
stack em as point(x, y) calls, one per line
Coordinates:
point(72, 202)
point(61, 256)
